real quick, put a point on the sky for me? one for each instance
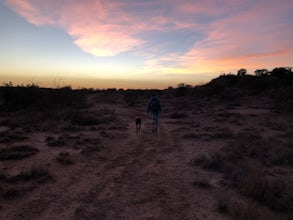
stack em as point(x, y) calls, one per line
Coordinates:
point(141, 44)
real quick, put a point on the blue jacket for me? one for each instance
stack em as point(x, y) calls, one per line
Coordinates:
point(150, 102)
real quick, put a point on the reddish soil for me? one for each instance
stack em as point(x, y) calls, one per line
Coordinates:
point(133, 175)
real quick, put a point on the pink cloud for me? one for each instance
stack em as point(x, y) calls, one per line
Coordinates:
point(234, 32)
point(256, 37)
point(90, 23)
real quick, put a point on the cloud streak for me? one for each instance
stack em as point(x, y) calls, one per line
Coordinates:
point(228, 34)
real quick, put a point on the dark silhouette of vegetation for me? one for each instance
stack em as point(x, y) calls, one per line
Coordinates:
point(241, 72)
point(32, 96)
point(17, 152)
point(261, 72)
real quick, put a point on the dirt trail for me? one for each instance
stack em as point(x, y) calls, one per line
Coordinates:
point(147, 178)
point(142, 176)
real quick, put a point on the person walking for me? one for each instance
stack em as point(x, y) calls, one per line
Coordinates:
point(154, 108)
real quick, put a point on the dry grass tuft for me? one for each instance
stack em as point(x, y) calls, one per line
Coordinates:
point(17, 152)
point(243, 161)
point(64, 158)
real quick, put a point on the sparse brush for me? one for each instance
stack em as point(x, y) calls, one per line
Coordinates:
point(64, 158)
point(242, 163)
point(245, 211)
point(90, 149)
point(223, 133)
point(202, 183)
point(178, 115)
point(53, 142)
point(223, 202)
point(17, 152)
point(39, 173)
point(10, 193)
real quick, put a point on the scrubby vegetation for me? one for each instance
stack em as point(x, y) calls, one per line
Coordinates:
point(244, 162)
point(253, 160)
point(17, 152)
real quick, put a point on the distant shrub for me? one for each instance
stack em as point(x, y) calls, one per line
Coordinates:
point(12, 136)
point(39, 173)
point(55, 142)
point(17, 152)
point(64, 158)
point(283, 99)
point(20, 97)
point(223, 203)
point(177, 115)
point(202, 183)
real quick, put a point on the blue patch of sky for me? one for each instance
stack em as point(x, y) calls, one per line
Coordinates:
point(179, 41)
point(24, 42)
point(19, 38)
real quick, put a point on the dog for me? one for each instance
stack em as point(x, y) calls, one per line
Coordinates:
point(138, 122)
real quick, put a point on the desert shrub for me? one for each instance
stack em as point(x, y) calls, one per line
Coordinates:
point(177, 115)
point(10, 192)
point(91, 145)
point(191, 135)
point(183, 90)
point(283, 99)
point(15, 186)
point(17, 152)
point(223, 202)
point(202, 183)
point(83, 118)
point(223, 133)
point(7, 137)
point(53, 142)
point(90, 149)
point(247, 211)
point(131, 97)
point(64, 158)
point(36, 173)
point(241, 162)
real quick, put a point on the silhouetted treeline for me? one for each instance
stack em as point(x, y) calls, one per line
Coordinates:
point(21, 97)
point(277, 84)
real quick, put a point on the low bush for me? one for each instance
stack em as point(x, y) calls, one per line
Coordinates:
point(242, 162)
point(177, 115)
point(17, 152)
point(64, 158)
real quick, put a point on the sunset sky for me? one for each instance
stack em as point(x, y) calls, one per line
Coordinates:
point(140, 43)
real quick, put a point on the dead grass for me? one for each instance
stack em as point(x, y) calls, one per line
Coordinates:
point(64, 158)
point(178, 115)
point(17, 152)
point(91, 145)
point(242, 162)
point(55, 142)
point(12, 136)
point(15, 186)
point(202, 183)
point(36, 173)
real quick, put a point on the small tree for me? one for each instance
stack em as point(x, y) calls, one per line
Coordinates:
point(261, 72)
point(241, 72)
point(281, 71)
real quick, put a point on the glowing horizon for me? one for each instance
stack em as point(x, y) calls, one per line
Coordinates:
point(140, 44)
